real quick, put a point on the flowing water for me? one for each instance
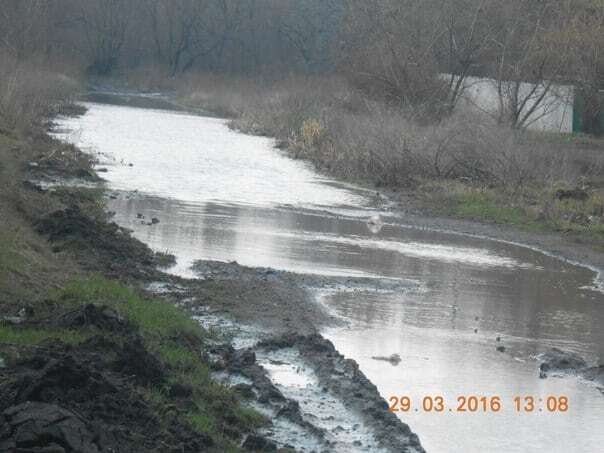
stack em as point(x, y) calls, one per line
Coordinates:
point(225, 196)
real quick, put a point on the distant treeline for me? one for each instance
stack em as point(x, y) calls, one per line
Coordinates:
point(391, 49)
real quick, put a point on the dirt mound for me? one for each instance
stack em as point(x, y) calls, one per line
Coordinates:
point(99, 245)
point(83, 398)
point(557, 361)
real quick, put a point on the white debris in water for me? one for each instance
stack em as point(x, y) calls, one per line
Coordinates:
point(375, 224)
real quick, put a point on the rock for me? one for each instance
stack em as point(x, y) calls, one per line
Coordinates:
point(140, 216)
point(556, 360)
point(101, 170)
point(394, 359)
point(501, 348)
point(572, 194)
point(254, 442)
point(154, 221)
point(498, 339)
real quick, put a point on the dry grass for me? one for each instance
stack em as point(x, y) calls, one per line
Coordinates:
point(31, 92)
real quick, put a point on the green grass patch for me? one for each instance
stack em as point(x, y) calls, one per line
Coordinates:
point(483, 206)
point(32, 336)
point(534, 208)
point(177, 357)
point(153, 317)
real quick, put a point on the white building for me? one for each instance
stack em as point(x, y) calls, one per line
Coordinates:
point(553, 114)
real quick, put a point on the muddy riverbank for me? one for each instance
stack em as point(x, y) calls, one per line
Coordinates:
point(53, 382)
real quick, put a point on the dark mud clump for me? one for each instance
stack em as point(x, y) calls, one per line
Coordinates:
point(343, 378)
point(63, 398)
point(55, 160)
point(564, 363)
point(99, 245)
point(596, 375)
point(557, 361)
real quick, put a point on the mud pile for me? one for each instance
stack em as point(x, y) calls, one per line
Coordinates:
point(557, 362)
point(62, 398)
point(99, 244)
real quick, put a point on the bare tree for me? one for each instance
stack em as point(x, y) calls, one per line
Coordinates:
point(103, 25)
point(24, 26)
point(525, 61)
point(462, 46)
point(586, 69)
point(184, 31)
point(389, 49)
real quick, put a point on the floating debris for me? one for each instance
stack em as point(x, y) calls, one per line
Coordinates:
point(394, 359)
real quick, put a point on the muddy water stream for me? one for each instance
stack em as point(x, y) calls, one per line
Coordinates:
point(226, 196)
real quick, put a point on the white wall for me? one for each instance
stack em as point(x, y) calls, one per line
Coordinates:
point(554, 114)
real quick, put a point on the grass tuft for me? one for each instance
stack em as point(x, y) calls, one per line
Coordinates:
point(153, 317)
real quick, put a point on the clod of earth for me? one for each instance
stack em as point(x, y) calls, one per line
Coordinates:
point(64, 398)
point(564, 362)
point(98, 244)
point(34, 426)
point(556, 360)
